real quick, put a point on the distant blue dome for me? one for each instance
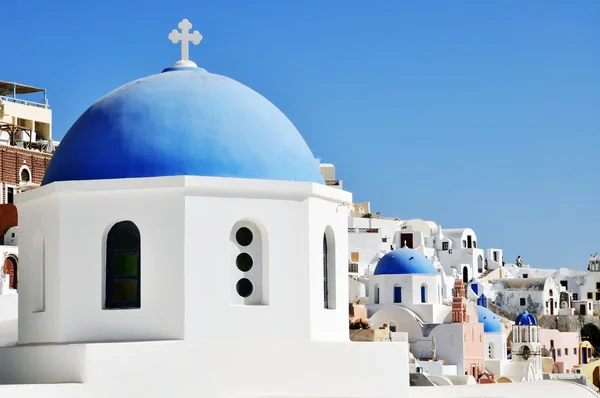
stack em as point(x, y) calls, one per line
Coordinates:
point(404, 261)
point(184, 121)
point(491, 321)
point(525, 319)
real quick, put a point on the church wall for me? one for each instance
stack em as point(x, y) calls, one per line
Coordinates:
point(292, 237)
point(75, 267)
point(162, 306)
point(430, 311)
point(449, 343)
point(325, 216)
point(494, 344)
point(40, 284)
point(210, 255)
point(474, 348)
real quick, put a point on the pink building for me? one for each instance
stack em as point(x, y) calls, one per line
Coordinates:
point(461, 342)
point(563, 347)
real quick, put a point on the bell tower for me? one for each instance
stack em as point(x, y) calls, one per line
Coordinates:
point(526, 345)
point(459, 303)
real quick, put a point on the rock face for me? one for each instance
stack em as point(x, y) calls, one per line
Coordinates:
point(567, 323)
point(563, 323)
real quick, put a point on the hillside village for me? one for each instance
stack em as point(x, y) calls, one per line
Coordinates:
point(438, 286)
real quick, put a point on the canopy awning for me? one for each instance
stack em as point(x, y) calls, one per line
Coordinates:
point(10, 88)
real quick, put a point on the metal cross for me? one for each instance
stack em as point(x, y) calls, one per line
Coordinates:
point(185, 37)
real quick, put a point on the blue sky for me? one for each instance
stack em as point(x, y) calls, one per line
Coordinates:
point(469, 113)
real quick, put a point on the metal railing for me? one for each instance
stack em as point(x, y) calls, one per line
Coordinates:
point(353, 268)
point(364, 230)
point(23, 102)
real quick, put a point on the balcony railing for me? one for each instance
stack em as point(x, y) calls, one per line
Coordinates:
point(353, 268)
point(23, 102)
point(363, 230)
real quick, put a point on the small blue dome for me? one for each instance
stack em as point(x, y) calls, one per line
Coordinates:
point(404, 261)
point(184, 121)
point(525, 319)
point(491, 322)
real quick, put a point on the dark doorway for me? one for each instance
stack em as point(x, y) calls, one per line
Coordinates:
point(469, 242)
point(591, 333)
point(480, 264)
point(465, 275)
point(10, 268)
point(406, 240)
point(581, 309)
point(551, 304)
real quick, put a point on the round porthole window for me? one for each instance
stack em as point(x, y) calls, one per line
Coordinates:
point(244, 262)
point(243, 236)
point(244, 287)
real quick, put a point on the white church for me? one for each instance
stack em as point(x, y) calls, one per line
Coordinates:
point(184, 244)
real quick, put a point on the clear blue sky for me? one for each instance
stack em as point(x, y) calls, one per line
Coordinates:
point(469, 113)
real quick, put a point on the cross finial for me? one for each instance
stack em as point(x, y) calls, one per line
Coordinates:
point(185, 37)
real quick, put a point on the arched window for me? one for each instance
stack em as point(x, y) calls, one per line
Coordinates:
point(249, 269)
point(397, 294)
point(25, 175)
point(325, 274)
point(123, 267)
point(423, 293)
point(329, 269)
point(376, 294)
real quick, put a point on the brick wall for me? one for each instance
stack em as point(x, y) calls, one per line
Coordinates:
point(8, 219)
point(11, 160)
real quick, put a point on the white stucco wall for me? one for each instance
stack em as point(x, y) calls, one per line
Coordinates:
point(431, 311)
point(494, 344)
point(9, 307)
point(183, 245)
point(404, 319)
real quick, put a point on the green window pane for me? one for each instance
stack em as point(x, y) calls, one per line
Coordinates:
point(125, 264)
point(125, 290)
point(126, 239)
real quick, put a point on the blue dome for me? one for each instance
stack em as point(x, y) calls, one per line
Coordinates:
point(184, 121)
point(404, 261)
point(525, 319)
point(491, 322)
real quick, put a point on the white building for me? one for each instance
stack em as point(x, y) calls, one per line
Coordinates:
point(495, 349)
point(454, 251)
point(200, 237)
point(328, 173)
point(408, 278)
point(535, 295)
